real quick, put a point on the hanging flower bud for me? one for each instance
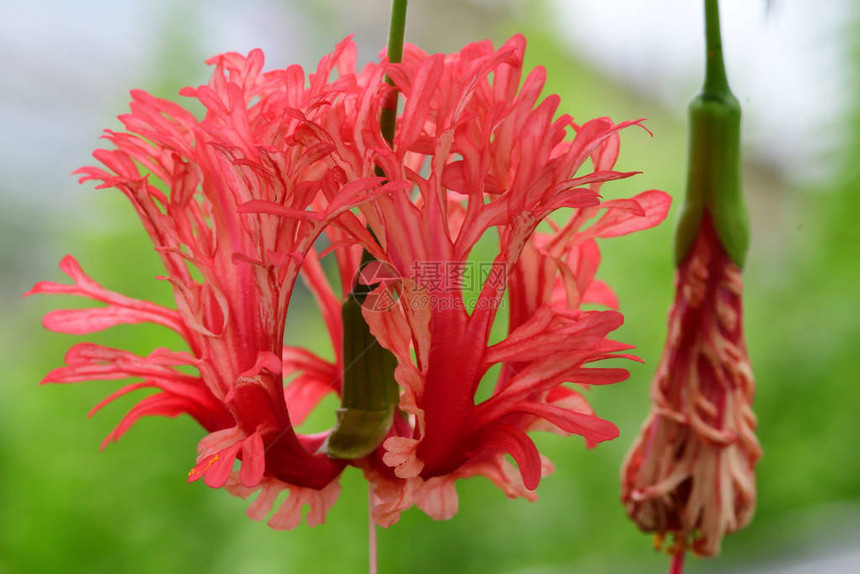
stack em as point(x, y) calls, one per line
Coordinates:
point(690, 471)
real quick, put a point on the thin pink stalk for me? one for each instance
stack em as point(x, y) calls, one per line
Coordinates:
point(677, 566)
point(371, 531)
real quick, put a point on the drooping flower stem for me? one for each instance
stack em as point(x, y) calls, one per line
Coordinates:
point(677, 566)
point(715, 69)
point(714, 177)
point(396, 34)
point(371, 536)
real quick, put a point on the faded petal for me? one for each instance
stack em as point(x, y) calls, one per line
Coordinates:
point(690, 470)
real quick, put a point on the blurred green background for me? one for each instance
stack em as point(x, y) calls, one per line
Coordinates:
point(66, 507)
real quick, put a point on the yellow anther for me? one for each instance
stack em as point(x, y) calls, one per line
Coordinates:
point(210, 463)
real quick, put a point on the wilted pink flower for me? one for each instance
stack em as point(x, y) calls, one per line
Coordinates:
point(690, 471)
point(482, 153)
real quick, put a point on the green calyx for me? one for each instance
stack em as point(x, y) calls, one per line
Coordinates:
point(370, 394)
point(714, 171)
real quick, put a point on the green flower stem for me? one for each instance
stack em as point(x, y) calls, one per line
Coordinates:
point(396, 34)
point(714, 172)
